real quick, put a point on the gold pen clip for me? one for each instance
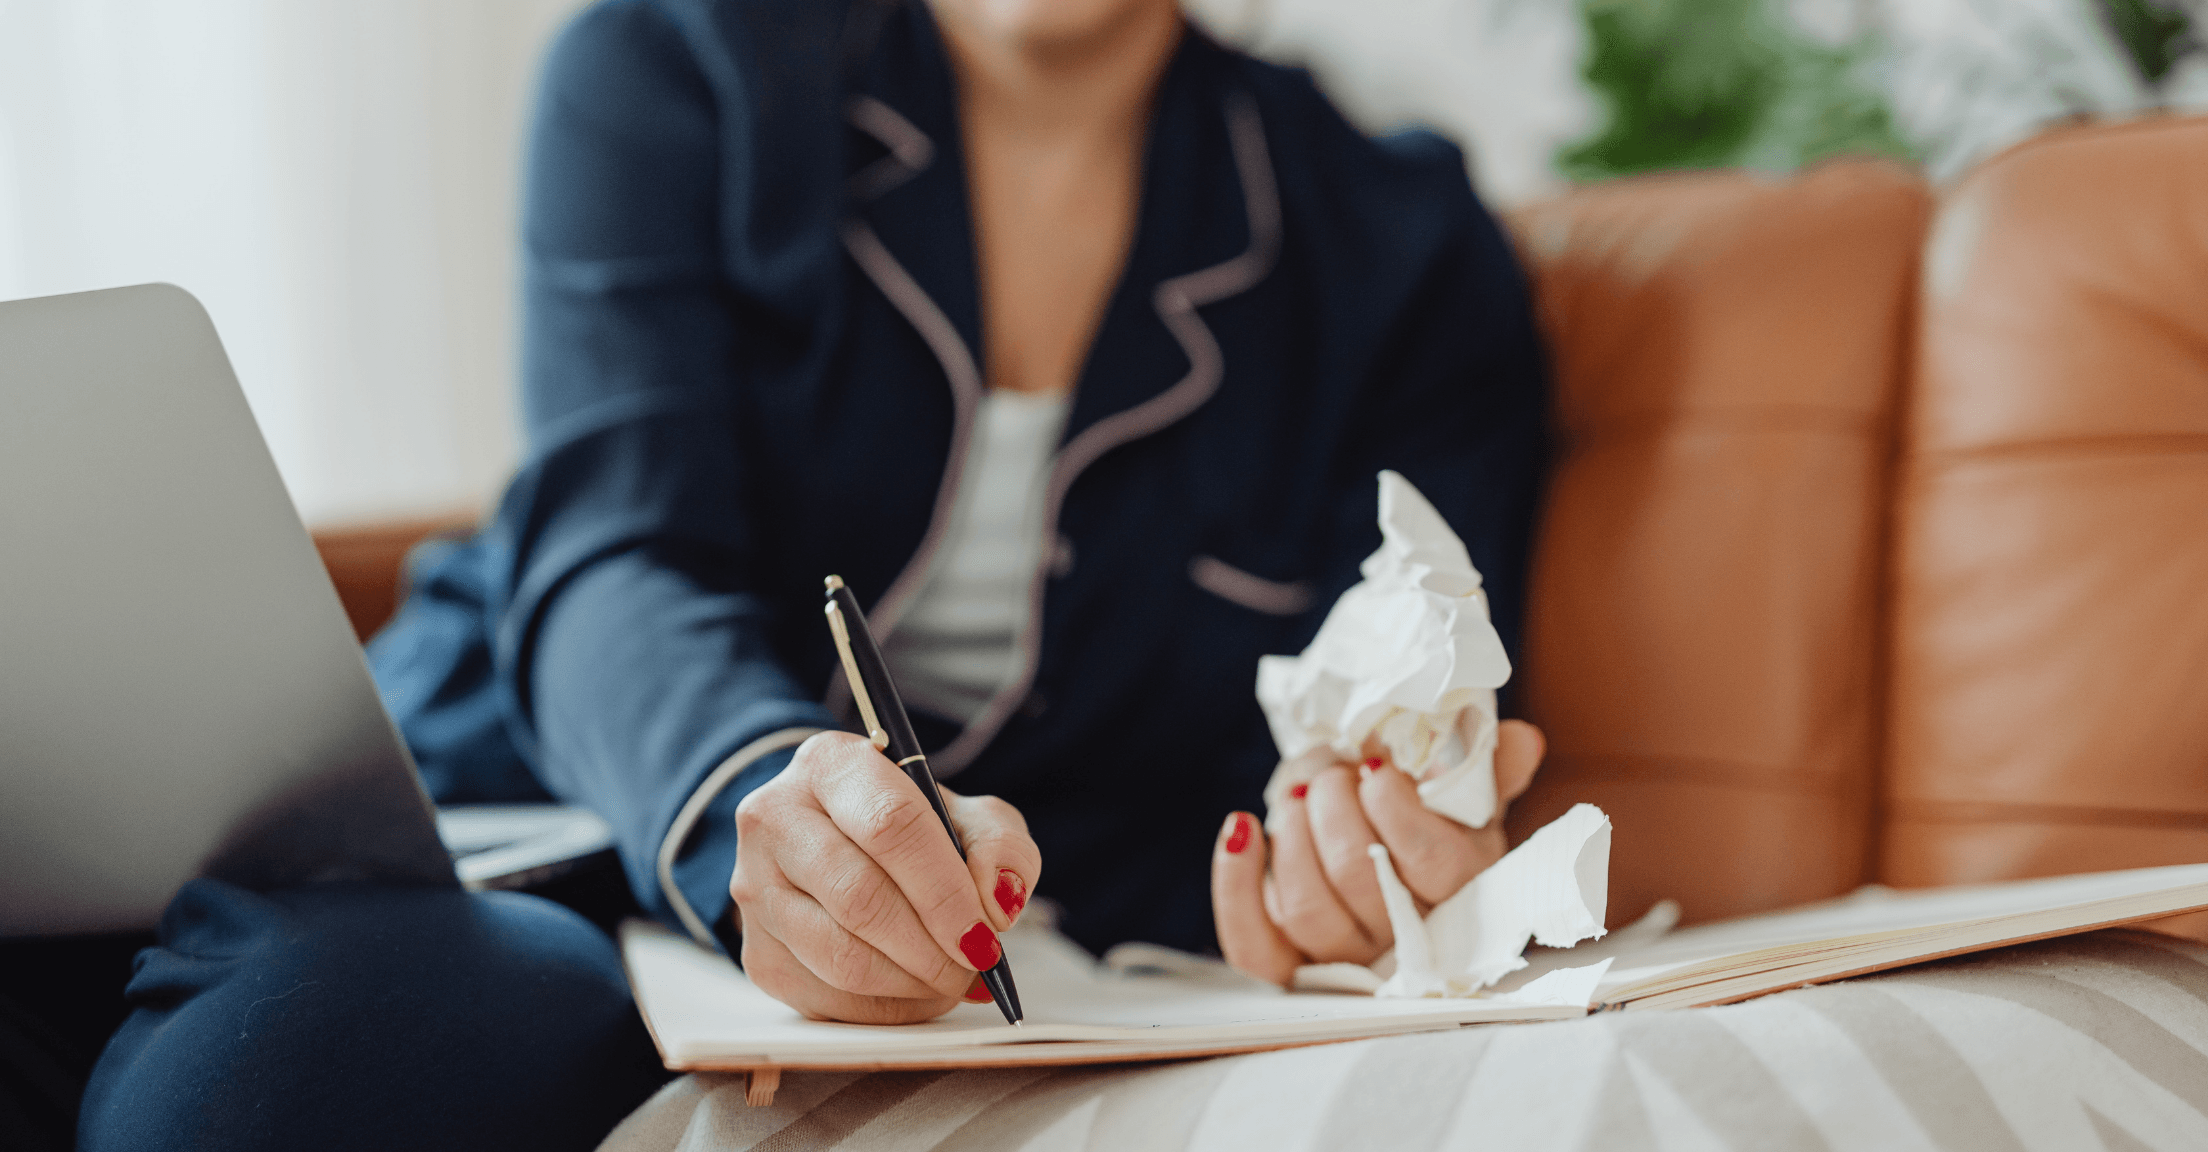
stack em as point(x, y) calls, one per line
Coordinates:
point(874, 733)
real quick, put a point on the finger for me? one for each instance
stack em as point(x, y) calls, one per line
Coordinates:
point(1247, 936)
point(770, 965)
point(839, 912)
point(836, 956)
point(1342, 836)
point(1297, 770)
point(1433, 854)
point(1305, 904)
point(1003, 859)
point(883, 812)
point(1519, 747)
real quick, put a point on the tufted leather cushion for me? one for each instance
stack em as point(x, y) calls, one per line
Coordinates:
point(1700, 644)
point(2050, 672)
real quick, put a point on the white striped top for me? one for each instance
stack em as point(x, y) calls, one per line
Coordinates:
point(957, 646)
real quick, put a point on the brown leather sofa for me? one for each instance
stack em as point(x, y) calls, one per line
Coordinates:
point(1877, 545)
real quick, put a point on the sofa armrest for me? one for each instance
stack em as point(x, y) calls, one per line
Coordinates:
point(367, 562)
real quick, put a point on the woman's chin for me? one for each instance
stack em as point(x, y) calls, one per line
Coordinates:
point(1050, 26)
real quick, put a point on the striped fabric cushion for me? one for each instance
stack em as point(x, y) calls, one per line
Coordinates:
point(2097, 1041)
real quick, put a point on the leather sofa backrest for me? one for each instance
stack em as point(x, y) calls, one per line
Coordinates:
point(2050, 635)
point(1706, 588)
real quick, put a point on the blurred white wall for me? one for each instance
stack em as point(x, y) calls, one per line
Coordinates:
point(1967, 78)
point(334, 179)
point(1500, 77)
point(1964, 78)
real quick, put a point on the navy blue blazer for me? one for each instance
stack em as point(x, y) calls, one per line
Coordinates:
point(751, 359)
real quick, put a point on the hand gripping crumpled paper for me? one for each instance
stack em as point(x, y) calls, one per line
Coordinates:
point(1405, 668)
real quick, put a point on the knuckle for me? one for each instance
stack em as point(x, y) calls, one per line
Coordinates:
point(946, 977)
point(1417, 856)
point(744, 886)
point(1318, 930)
point(752, 814)
point(891, 824)
point(1346, 865)
point(949, 904)
point(822, 757)
point(1299, 910)
point(1348, 877)
point(1338, 854)
point(773, 971)
point(848, 965)
point(821, 747)
point(860, 899)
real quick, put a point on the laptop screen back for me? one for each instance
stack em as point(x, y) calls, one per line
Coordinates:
point(180, 693)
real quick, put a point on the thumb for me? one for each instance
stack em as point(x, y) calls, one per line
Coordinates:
point(1247, 935)
point(1519, 747)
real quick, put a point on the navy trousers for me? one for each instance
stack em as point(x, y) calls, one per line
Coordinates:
point(351, 1016)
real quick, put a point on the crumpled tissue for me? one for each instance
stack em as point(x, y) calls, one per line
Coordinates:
point(1405, 668)
point(1552, 890)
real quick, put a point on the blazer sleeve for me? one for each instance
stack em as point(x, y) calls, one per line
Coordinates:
point(633, 657)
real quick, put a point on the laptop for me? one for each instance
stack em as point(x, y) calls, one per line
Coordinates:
point(180, 692)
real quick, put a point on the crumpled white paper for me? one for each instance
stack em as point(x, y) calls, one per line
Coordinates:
point(1554, 890)
point(1404, 668)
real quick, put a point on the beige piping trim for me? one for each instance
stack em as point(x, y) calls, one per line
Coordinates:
point(910, 151)
point(1176, 301)
point(693, 808)
point(950, 350)
point(1256, 593)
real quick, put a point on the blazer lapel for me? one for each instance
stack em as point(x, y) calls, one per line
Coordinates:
point(913, 195)
point(1194, 213)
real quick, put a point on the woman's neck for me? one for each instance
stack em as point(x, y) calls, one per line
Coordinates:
point(1054, 103)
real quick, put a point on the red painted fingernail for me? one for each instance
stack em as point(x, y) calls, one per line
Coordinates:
point(1238, 832)
point(1011, 894)
point(977, 992)
point(1374, 762)
point(981, 947)
point(1296, 793)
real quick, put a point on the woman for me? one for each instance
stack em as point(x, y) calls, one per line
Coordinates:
point(1073, 342)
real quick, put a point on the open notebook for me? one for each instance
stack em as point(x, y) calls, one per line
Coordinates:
point(1161, 1005)
point(1879, 928)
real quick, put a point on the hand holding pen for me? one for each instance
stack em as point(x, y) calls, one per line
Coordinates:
point(853, 901)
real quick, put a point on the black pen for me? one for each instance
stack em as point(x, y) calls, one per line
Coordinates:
point(890, 731)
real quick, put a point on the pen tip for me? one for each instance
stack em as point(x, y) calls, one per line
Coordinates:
point(833, 582)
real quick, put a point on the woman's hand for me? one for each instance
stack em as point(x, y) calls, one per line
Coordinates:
point(1320, 900)
point(853, 903)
